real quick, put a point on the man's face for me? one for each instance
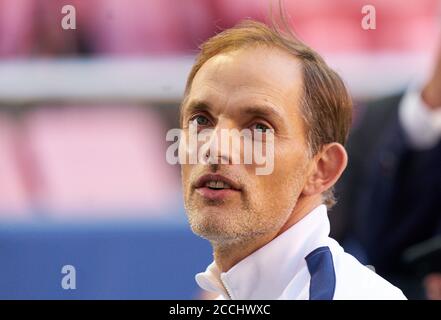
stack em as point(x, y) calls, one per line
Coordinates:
point(254, 88)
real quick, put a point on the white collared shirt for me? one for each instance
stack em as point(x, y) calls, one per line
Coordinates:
point(301, 263)
point(421, 123)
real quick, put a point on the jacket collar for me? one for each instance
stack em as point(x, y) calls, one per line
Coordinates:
point(266, 272)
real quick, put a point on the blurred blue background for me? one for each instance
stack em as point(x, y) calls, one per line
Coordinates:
point(143, 260)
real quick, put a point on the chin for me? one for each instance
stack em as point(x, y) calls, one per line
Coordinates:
point(210, 224)
point(209, 231)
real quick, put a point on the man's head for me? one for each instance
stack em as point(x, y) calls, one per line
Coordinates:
point(253, 77)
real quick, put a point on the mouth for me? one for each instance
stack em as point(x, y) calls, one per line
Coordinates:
point(216, 187)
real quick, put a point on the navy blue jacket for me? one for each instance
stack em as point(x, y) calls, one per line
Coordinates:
point(389, 197)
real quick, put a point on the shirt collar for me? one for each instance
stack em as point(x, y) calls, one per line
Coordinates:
point(266, 272)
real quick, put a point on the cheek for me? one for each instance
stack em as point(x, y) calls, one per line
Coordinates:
point(290, 165)
point(185, 175)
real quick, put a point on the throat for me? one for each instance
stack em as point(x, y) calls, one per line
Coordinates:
point(228, 254)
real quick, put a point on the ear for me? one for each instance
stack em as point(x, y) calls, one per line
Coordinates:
point(328, 165)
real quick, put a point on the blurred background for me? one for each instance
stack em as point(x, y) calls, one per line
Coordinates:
point(83, 117)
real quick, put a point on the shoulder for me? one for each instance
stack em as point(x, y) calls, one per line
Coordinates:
point(373, 120)
point(356, 281)
point(377, 113)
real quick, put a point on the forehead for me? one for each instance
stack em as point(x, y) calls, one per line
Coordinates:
point(249, 74)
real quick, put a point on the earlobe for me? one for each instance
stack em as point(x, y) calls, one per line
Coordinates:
point(329, 164)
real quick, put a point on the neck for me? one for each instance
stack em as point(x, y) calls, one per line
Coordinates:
point(226, 255)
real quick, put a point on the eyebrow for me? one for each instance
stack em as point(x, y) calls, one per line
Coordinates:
point(194, 106)
point(258, 110)
point(197, 105)
point(263, 111)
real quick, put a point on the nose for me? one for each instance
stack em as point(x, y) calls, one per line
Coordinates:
point(221, 147)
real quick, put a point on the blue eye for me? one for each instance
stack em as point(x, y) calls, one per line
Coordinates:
point(261, 127)
point(201, 120)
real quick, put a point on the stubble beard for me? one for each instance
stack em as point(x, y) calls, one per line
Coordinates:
point(234, 227)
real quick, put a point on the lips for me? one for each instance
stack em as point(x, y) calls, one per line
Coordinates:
point(216, 187)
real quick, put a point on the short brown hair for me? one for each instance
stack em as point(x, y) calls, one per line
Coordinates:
point(326, 104)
